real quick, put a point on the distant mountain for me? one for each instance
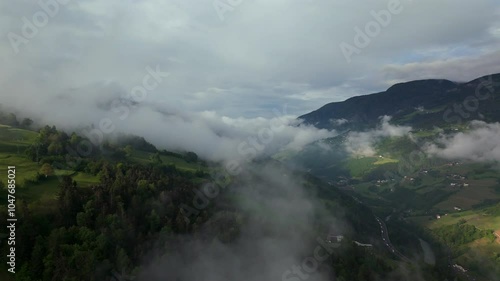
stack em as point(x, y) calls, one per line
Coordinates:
point(421, 104)
point(399, 179)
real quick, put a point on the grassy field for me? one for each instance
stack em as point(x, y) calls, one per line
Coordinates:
point(480, 255)
point(478, 218)
point(46, 190)
point(360, 166)
point(25, 169)
point(385, 160)
point(13, 140)
point(85, 179)
point(8, 133)
point(181, 164)
point(412, 115)
point(13, 143)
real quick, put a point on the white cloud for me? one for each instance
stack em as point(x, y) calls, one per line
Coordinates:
point(339, 122)
point(211, 135)
point(362, 143)
point(479, 144)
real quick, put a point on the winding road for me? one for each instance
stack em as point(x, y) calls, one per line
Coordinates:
point(387, 241)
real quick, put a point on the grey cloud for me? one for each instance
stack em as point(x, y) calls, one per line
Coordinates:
point(362, 143)
point(479, 144)
point(261, 45)
point(278, 213)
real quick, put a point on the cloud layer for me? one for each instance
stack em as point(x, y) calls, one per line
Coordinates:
point(207, 133)
point(362, 143)
point(263, 54)
point(275, 218)
point(479, 144)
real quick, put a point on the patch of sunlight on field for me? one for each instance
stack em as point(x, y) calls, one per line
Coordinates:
point(382, 161)
point(478, 218)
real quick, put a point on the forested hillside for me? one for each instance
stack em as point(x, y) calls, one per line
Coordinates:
point(124, 206)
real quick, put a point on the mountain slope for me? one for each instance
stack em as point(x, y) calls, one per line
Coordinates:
point(421, 103)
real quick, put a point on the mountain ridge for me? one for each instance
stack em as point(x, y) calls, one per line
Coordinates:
point(432, 96)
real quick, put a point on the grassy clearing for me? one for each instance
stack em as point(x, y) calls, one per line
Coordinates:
point(478, 218)
point(424, 134)
point(412, 115)
point(13, 142)
point(15, 133)
point(382, 161)
point(85, 179)
point(12, 139)
point(46, 190)
point(25, 169)
point(360, 166)
point(181, 164)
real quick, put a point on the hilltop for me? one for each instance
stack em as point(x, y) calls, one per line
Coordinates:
point(420, 104)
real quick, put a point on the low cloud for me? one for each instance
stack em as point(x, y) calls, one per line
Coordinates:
point(208, 133)
point(339, 122)
point(273, 218)
point(223, 138)
point(362, 143)
point(479, 144)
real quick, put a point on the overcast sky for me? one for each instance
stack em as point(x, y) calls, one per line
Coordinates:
point(241, 60)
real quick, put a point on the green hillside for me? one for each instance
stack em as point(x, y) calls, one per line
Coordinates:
point(111, 204)
point(422, 104)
